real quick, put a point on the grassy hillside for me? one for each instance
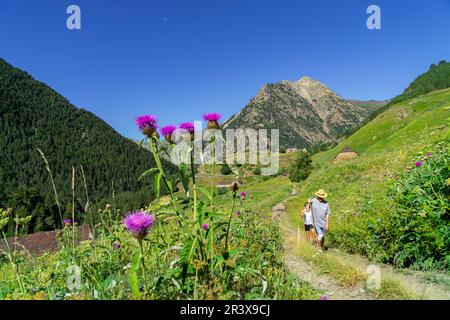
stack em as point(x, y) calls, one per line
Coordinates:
point(437, 77)
point(364, 193)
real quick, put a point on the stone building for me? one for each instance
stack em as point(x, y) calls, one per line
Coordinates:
point(346, 154)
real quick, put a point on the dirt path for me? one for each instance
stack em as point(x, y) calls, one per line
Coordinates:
point(420, 284)
point(305, 270)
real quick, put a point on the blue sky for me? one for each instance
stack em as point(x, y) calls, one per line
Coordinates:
point(178, 58)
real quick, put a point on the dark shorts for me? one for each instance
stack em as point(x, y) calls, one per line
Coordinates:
point(308, 227)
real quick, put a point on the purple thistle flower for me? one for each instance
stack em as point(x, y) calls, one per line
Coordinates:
point(212, 116)
point(419, 164)
point(138, 223)
point(205, 227)
point(238, 213)
point(168, 130)
point(188, 126)
point(146, 122)
point(324, 297)
point(429, 154)
point(243, 194)
point(67, 222)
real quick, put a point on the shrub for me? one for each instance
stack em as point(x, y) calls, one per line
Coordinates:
point(282, 171)
point(409, 227)
point(257, 171)
point(419, 226)
point(222, 191)
point(301, 167)
point(225, 169)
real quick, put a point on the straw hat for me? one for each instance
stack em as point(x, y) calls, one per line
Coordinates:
point(321, 194)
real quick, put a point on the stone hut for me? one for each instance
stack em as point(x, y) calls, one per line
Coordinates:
point(346, 154)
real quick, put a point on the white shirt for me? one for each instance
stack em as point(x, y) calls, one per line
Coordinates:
point(308, 216)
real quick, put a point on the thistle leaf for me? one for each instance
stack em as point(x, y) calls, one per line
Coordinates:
point(150, 171)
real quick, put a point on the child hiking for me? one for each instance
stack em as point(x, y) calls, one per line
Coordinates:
point(308, 221)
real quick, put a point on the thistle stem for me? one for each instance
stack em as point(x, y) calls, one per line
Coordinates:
point(144, 268)
point(213, 174)
point(229, 222)
point(193, 185)
point(155, 152)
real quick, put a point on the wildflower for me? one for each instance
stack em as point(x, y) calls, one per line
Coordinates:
point(205, 227)
point(213, 120)
point(116, 246)
point(238, 213)
point(147, 124)
point(167, 132)
point(67, 222)
point(189, 127)
point(324, 297)
point(138, 223)
point(429, 154)
point(419, 164)
point(243, 195)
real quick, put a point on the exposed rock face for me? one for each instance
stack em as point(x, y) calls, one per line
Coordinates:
point(306, 112)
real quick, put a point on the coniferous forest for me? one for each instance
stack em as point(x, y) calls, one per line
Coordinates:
point(32, 117)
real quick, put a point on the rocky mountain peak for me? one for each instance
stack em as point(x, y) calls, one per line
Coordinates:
point(305, 111)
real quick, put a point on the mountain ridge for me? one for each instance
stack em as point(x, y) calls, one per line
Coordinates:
point(306, 111)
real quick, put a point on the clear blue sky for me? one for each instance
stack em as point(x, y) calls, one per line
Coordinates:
point(179, 58)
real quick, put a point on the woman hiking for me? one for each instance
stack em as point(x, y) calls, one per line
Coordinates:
point(321, 217)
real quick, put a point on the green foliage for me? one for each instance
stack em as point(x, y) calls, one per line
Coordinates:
point(417, 230)
point(283, 150)
point(257, 171)
point(222, 191)
point(225, 169)
point(320, 147)
point(29, 201)
point(33, 116)
point(253, 268)
point(4, 217)
point(436, 78)
point(301, 167)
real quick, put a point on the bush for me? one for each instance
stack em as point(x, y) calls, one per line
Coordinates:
point(282, 150)
point(282, 171)
point(225, 170)
point(410, 228)
point(221, 191)
point(301, 167)
point(419, 226)
point(257, 171)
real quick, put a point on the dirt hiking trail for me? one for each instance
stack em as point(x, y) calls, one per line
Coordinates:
point(415, 284)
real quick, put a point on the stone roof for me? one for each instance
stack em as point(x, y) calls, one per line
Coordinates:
point(347, 149)
point(41, 242)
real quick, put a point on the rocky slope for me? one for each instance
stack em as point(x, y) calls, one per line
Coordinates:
point(306, 112)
